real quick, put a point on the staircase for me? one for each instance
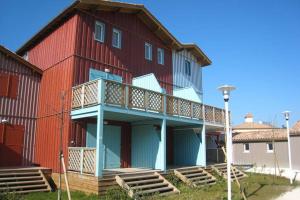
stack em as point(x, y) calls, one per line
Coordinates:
point(145, 184)
point(221, 169)
point(195, 176)
point(23, 180)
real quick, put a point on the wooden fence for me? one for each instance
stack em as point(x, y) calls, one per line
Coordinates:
point(82, 159)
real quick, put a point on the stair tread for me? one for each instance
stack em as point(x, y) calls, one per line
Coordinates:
point(30, 191)
point(21, 182)
point(149, 186)
point(21, 178)
point(144, 181)
point(204, 181)
point(155, 190)
point(196, 174)
point(140, 177)
point(188, 171)
point(24, 187)
point(19, 173)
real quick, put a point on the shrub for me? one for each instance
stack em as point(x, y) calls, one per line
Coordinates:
point(116, 193)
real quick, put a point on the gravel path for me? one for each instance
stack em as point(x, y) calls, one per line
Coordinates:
point(291, 195)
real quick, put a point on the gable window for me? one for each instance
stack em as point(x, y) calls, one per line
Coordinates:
point(187, 67)
point(116, 38)
point(160, 56)
point(148, 51)
point(9, 85)
point(270, 148)
point(99, 31)
point(246, 148)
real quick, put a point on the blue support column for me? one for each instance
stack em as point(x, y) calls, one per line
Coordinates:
point(100, 149)
point(100, 153)
point(161, 159)
point(201, 156)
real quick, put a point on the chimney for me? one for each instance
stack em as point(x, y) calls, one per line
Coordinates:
point(249, 118)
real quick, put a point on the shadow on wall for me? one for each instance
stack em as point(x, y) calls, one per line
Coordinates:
point(187, 146)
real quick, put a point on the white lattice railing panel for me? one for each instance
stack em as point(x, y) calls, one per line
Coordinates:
point(76, 97)
point(185, 108)
point(74, 159)
point(114, 93)
point(154, 101)
point(82, 159)
point(209, 113)
point(172, 105)
point(197, 110)
point(136, 98)
point(89, 160)
point(219, 116)
point(90, 93)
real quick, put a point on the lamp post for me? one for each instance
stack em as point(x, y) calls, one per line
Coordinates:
point(287, 117)
point(226, 89)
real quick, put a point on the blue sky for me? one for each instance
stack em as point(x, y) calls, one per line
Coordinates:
point(254, 45)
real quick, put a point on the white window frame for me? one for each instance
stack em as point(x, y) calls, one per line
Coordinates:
point(246, 150)
point(189, 71)
point(102, 33)
point(149, 55)
point(119, 38)
point(268, 148)
point(160, 54)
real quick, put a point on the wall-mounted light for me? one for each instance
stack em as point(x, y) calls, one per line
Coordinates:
point(107, 70)
point(4, 121)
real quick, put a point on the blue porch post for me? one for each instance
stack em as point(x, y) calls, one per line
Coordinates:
point(161, 161)
point(201, 157)
point(100, 153)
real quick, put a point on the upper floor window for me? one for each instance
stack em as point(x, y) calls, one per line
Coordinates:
point(117, 38)
point(25, 56)
point(246, 148)
point(187, 66)
point(148, 51)
point(160, 56)
point(9, 85)
point(99, 31)
point(270, 148)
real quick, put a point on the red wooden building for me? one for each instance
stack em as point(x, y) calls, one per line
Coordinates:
point(19, 88)
point(67, 48)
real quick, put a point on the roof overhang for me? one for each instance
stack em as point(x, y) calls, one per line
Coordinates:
point(94, 5)
point(18, 58)
point(198, 53)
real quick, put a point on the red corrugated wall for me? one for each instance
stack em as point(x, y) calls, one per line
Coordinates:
point(22, 109)
point(54, 54)
point(129, 61)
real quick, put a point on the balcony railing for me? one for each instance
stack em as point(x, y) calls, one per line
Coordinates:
point(82, 159)
point(131, 97)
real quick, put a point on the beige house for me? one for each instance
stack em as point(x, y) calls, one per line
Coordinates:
point(264, 146)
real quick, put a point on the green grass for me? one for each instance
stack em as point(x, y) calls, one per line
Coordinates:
point(256, 186)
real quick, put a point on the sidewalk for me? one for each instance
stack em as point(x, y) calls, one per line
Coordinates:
point(292, 195)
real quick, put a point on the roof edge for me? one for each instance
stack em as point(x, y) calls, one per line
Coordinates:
point(200, 53)
point(20, 59)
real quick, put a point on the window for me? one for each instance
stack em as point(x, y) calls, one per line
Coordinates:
point(99, 31)
point(116, 38)
point(160, 56)
point(25, 56)
point(246, 148)
point(270, 147)
point(187, 67)
point(148, 51)
point(9, 85)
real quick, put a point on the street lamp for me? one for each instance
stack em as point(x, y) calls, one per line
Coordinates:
point(226, 89)
point(287, 117)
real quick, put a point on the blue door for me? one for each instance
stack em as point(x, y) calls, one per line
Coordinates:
point(112, 142)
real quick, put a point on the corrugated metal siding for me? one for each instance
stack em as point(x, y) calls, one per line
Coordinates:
point(129, 61)
point(180, 79)
point(23, 109)
point(56, 47)
point(145, 141)
point(189, 144)
point(54, 81)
